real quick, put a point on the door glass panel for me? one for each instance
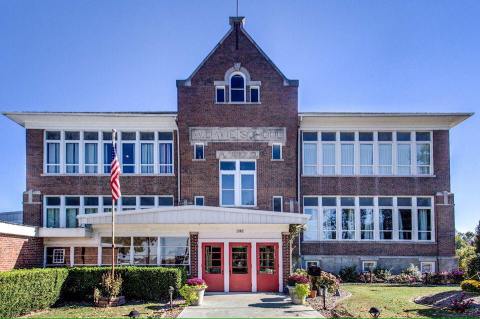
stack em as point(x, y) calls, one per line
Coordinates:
point(239, 260)
point(213, 260)
point(267, 259)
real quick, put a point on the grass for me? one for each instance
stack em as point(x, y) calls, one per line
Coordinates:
point(87, 310)
point(394, 301)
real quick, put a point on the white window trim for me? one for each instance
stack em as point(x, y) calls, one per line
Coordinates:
point(255, 87)
point(100, 152)
point(198, 197)
point(364, 262)
point(237, 173)
point(281, 152)
point(376, 167)
point(218, 87)
point(424, 263)
point(62, 254)
point(281, 203)
point(195, 151)
point(376, 208)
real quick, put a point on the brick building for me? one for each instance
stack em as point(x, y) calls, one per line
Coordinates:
point(217, 185)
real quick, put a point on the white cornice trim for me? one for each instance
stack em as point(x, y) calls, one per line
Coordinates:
point(17, 230)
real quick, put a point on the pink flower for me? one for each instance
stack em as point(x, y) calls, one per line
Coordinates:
point(195, 282)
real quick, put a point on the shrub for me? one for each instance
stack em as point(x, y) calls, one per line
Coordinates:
point(474, 266)
point(190, 289)
point(139, 283)
point(301, 272)
point(471, 286)
point(460, 305)
point(22, 291)
point(110, 287)
point(302, 290)
point(325, 279)
point(349, 274)
point(404, 279)
point(298, 279)
point(413, 272)
point(382, 274)
point(196, 282)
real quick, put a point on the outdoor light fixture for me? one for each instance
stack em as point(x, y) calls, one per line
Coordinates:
point(374, 312)
point(324, 296)
point(170, 292)
point(134, 314)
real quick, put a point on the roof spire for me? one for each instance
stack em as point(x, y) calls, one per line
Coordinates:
point(237, 8)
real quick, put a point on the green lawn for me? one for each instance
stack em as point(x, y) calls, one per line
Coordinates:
point(86, 310)
point(392, 300)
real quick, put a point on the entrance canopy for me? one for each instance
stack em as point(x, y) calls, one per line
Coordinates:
point(195, 215)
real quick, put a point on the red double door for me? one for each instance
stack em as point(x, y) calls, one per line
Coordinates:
point(240, 272)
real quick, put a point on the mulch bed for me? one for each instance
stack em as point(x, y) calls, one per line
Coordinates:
point(331, 302)
point(164, 311)
point(444, 300)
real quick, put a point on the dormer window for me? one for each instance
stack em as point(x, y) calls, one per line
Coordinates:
point(254, 94)
point(237, 88)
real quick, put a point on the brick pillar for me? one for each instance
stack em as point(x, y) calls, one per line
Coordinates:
point(193, 254)
point(445, 231)
point(286, 262)
point(32, 208)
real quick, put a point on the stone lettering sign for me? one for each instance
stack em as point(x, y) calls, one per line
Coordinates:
point(238, 134)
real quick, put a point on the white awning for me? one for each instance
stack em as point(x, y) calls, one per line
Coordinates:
point(195, 215)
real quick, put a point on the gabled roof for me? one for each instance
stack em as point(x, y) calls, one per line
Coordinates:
point(240, 22)
point(195, 215)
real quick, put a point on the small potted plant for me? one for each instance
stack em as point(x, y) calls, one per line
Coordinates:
point(296, 287)
point(193, 291)
point(108, 293)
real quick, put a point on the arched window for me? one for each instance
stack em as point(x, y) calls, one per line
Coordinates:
point(237, 88)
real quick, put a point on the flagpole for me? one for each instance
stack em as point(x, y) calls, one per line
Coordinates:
point(114, 133)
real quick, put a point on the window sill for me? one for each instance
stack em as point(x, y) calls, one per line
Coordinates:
point(199, 159)
point(369, 176)
point(238, 103)
point(103, 175)
point(277, 160)
point(349, 241)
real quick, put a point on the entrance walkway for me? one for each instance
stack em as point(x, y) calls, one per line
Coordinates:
point(248, 305)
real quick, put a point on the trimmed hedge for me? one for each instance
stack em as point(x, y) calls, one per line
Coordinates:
point(139, 283)
point(471, 286)
point(22, 291)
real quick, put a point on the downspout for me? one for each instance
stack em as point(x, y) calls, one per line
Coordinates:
point(178, 164)
point(299, 180)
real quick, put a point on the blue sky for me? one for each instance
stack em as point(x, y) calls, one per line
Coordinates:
point(349, 55)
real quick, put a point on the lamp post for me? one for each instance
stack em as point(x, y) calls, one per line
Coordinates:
point(324, 296)
point(170, 292)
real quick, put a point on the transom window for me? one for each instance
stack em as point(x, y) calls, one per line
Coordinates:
point(367, 153)
point(90, 152)
point(238, 184)
point(369, 218)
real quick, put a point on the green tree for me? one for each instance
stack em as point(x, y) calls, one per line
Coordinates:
point(465, 257)
point(476, 241)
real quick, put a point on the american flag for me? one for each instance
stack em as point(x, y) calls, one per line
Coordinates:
point(115, 174)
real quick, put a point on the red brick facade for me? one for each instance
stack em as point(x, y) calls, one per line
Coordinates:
point(20, 252)
point(194, 254)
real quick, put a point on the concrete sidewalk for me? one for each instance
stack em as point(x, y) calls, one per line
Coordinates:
point(248, 305)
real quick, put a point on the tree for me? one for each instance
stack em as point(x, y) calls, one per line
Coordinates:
point(476, 241)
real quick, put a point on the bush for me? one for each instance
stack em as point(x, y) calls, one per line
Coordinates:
point(139, 283)
point(382, 274)
point(349, 274)
point(412, 271)
point(471, 286)
point(297, 279)
point(474, 266)
point(22, 291)
point(325, 279)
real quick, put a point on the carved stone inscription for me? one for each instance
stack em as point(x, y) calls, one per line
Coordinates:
point(238, 134)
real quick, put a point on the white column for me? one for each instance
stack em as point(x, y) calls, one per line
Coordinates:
point(99, 255)
point(280, 266)
point(72, 256)
point(254, 266)
point(226, 266)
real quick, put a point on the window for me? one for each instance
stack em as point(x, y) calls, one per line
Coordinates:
point(367, 153)
point(405, 226)
point(107, 152)
point(237, 88)
point(147, 202)
point(123, 246)
point(312, 263)
point(276, 151)
point(128, 152)
point(165, 200)
point(146, 152)
point(366, 218)
point(329, 218)
point(254, 94)
point(386, 218)
point(368, 265)
point(199, 201)
point(277, 203)
point(53, 152)
point(174, 251)
point(199, 151)
point(238, 183)
point(165, 152)
point(72, 152)
point(107, 204)
point(220, 94)
point(424, 214)
point(58, 256)
point(427, 267)
point(72, 208)
point(145, 250)
point(348, 218)
point(129, 203)
point(91, 152)
point(90, 204)
point(52, 205)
